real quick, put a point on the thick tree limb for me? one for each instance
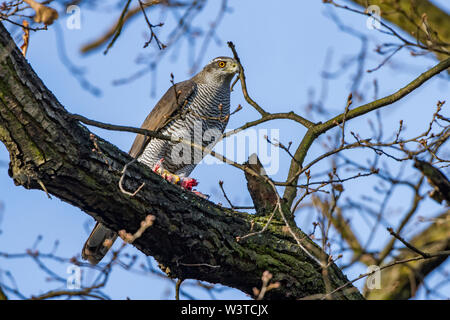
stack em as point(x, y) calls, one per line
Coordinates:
point(191, 237)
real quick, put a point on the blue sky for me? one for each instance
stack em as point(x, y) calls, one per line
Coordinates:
point(283, 49)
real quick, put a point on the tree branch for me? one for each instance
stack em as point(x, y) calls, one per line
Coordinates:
point(189, 235)
point(397, 282)
point(295, 169)
point(408, 15)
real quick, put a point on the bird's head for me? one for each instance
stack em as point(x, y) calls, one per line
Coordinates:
point(218, 71)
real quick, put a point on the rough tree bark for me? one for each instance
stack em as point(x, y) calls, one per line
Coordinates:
point(190, 238)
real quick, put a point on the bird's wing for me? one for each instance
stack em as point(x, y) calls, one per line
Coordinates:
point(172, 101)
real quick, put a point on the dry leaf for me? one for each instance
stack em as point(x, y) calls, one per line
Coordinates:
point(25, 37)
point(44, 14)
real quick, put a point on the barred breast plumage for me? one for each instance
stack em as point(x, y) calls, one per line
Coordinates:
point(208, 109)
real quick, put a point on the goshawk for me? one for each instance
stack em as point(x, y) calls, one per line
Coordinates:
point(197, 109)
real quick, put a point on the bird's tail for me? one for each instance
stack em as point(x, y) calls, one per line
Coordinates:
point(95, 247)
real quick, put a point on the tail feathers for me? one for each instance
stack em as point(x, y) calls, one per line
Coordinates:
point(94, 249)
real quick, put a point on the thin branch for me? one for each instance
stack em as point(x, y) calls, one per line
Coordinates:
point(243, 83)
point(407, 244)
point(118, 28)
point(430, 255)
point(152, 33)
point(318, 129)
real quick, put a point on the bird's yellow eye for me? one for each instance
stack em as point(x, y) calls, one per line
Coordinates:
point(221, 64)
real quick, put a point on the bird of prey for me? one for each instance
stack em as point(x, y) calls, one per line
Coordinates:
point(189, 109)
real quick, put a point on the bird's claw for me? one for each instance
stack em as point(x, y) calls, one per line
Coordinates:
point(185, 182)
